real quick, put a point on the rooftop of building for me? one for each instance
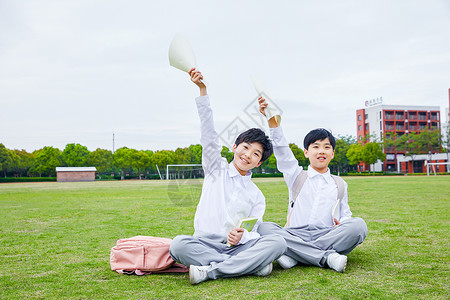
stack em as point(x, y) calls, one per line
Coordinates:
point(75, 169)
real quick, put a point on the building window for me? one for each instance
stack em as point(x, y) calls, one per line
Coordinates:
point(366, 116)
point(389, 115)
point(359, 117)
point(359, 127)
point(366, 127)
point(381, 125)
point(434, 116)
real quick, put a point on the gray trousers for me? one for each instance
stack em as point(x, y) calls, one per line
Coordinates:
point(227, 261)
point(311, 245)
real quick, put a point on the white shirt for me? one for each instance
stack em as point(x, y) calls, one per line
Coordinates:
point(227, 196)
point(319, 193)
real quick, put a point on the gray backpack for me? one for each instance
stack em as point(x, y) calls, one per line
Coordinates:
point(297, 187)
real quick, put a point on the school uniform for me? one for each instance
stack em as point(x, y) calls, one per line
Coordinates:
point(310, 235)
point(227, 197)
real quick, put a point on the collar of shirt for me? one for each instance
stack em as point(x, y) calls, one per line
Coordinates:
point(313, 173)
point(232, 171)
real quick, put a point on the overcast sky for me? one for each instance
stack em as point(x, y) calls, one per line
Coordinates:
point(77, 71)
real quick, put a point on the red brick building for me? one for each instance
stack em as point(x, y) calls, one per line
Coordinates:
point(379, 120)
point(74, 174)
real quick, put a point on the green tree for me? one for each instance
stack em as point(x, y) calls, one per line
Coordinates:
point(182, 156)
point(9, 160)
point(390, 142)
point(102, 159)
point(269, 165)
point(371, 153)
point(140, 161)
point(408, 143)
point(354, 154)
point(299, 155)
point(25, 161)
point(196, 156)
point(227, 154)
point(429, 141)
point(151, 167)
point(162, 158)
point(47, 159)
point(3, 155)
point(123, 160)
point(340, 153)
point(75, 155)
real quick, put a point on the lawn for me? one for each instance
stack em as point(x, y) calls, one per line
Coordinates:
point(56, 238)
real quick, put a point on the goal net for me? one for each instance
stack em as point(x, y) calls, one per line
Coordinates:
point(184, 171)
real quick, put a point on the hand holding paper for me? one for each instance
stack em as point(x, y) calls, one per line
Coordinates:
point(269, 110)
point(197, 78)
point(274, 121)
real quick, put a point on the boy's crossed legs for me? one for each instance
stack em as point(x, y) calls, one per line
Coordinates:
point(224, 261)
point(311, 245)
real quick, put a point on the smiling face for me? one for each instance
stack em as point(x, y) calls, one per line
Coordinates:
point(247, 156)
point(320, 153)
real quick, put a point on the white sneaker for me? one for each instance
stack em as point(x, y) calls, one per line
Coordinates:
point(198, 274)
point(265, 271)
point(286, 262)
point(337, 262)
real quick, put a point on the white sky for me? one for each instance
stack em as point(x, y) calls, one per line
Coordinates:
point(75, 71)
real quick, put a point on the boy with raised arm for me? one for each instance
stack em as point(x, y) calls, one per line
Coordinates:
point(228, 195)
point(314, 236)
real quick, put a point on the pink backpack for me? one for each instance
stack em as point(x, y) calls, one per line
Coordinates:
point(143, 255)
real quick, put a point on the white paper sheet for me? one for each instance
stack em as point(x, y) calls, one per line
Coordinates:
point(181, 55)
point(336, 210)
point(271, 110)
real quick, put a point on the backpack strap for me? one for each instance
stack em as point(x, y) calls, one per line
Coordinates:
point(336, 210)
point(296, 188)
point(300, 181)
point(340, 186)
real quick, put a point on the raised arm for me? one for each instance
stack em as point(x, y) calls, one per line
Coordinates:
point(197, 78)
point(209, 139)
point(286, 161)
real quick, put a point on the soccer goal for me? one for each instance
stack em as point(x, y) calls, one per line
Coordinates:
point(432, 166)
point(184, 171)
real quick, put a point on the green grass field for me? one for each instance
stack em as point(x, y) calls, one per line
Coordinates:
point(56, 238)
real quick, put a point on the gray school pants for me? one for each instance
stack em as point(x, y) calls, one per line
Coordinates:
point(227, 261)
point(311, 245)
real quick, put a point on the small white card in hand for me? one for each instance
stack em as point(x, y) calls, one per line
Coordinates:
point(181, 55)
point(271, 110)
point(336, 210)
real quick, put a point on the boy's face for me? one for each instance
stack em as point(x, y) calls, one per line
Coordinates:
point(247, 156)
point(320, 153)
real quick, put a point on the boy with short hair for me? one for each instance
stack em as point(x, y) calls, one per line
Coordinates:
point(313, 237)
point(228, 195)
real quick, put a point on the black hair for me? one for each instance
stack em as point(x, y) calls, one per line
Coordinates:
point(256, 135)
point(318, 134)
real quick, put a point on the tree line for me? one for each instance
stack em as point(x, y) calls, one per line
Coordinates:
point(348, 154)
